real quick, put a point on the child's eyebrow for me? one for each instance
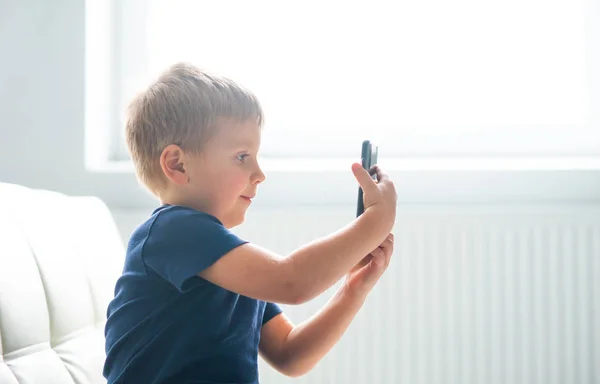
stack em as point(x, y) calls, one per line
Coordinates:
point(241, 143)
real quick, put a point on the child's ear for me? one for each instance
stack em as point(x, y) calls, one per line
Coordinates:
point(172, 164)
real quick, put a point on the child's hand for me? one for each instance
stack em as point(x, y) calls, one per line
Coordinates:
point(363, 277)
point(380, 193)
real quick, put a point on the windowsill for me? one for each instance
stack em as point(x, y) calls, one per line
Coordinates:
point(571, 163)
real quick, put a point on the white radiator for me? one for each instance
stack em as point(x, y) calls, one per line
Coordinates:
point(487, 295)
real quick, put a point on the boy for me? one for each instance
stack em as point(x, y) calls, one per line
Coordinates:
point(196, 303)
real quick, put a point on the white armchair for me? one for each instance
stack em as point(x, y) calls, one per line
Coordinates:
point(60, 257)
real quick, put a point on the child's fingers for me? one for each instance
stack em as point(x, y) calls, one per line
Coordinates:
point(388, 247)
point(381, 174)
point(378, 256)
point(380, 260)
point(388, 242)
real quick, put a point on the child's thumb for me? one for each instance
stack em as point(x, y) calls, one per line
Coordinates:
point(362, 176)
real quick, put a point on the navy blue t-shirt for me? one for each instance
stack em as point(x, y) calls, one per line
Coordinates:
point(166, 324)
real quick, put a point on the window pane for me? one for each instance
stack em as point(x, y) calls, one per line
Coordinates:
point(423, 77)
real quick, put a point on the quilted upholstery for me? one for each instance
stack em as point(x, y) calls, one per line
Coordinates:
point(60, 257)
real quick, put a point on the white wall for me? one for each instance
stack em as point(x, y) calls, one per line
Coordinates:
point(42, 102)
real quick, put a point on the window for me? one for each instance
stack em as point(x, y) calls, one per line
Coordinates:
point(427, 78)
point(495, 85)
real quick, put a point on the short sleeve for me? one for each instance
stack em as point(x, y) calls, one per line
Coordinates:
point(271, 310)
point(183, 242)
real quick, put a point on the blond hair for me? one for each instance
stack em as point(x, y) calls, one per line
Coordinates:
point(182, 107)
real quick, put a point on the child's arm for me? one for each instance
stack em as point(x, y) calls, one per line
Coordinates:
point(254, 272)
point(295, 350)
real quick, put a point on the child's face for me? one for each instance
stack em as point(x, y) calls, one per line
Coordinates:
point(225, 177)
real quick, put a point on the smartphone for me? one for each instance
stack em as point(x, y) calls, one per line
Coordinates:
point(369, 158)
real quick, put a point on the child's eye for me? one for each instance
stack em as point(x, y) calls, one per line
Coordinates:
point(242, 157)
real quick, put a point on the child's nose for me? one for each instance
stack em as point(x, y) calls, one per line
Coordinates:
point(258, 176)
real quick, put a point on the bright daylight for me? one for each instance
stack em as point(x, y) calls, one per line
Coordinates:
point(311, 192)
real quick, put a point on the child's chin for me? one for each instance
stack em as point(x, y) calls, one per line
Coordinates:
point(236, 220)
